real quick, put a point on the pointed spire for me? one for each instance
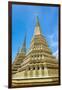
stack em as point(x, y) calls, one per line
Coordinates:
point(23, 49)
point(37, 30)
point(37, 21)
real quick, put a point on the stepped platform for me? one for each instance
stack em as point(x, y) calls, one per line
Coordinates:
point(35, 81)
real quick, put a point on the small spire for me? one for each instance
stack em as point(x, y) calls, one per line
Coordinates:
point(37, 21)
point(23, 49)
point(37, 30)
point(18, 51)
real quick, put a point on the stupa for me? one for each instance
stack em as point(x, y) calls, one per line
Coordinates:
point(38, 65)
point(21, 54)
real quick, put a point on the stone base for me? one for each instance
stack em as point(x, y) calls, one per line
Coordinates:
point(35, 82)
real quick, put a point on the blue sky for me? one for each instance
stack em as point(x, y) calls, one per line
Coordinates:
point(24, 21)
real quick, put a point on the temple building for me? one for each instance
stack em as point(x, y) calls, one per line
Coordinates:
point(38, 62)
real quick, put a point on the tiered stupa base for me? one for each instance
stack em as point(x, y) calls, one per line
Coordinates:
point(35, 81)
point(31, 80)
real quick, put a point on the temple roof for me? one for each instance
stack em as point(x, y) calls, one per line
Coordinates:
point(37, 30)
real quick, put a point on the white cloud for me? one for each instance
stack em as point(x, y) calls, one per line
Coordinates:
point(56, 54)
point(53, 44)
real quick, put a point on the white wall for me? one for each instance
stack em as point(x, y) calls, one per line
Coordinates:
point(4, 45)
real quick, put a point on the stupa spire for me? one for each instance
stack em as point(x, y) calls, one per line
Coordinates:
point(37, 30)
point(23, 49)
point(37, 21)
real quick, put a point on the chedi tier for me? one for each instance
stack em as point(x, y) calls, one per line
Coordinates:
point(38, 62)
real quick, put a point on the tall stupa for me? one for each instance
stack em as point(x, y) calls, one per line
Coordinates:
point(38, 64)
